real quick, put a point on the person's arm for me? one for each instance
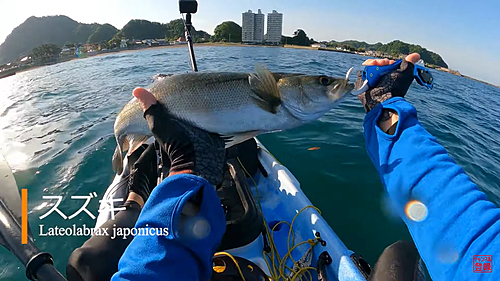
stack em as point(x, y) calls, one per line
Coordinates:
point(181, 248)
point(461, 222)
point(182, 222)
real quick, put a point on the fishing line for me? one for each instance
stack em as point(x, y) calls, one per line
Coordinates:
point(277, 268)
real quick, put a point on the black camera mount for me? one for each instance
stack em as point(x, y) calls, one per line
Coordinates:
point(189, 7)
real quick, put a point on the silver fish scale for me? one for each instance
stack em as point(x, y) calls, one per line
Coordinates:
point(204, 91)
point(217, 102)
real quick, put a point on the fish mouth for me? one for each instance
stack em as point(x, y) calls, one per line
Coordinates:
point(341, 89)
point(349, 87)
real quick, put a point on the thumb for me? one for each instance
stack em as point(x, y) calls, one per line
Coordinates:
point(413, 58)
point(145, 97)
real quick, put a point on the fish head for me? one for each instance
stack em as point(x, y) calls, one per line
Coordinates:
point(309, 97)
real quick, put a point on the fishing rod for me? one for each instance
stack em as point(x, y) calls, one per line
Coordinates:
point(189, 7)
point(14, 227)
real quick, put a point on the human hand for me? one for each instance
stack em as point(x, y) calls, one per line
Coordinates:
point(190, 149)
point(394, 84)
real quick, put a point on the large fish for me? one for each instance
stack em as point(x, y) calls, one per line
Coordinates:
point(238, 106)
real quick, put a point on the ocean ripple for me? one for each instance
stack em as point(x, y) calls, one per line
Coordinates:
point(57, 133)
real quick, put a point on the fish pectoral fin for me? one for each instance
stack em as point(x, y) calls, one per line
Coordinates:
point(236, 138)
point(121, 145)
point(265, 89)
point(134, 142)
point(118, 160)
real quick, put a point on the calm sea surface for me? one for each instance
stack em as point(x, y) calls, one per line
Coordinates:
point(56, 131)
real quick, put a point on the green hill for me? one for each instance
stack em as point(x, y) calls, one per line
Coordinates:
point(36, 31)
point(394, 48)
point(102, 34)
point(62, 30)
point(143, 29)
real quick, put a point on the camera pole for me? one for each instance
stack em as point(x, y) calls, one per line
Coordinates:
point(188, 26)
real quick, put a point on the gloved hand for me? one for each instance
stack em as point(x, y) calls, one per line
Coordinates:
point(394, 84)
point(144, 173)
point(190, 149)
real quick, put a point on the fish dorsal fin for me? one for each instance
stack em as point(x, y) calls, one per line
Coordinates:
point(160, 76)
point(265, 88)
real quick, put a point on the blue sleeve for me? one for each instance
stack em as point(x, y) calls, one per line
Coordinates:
point(170, 254)
point(460, 221)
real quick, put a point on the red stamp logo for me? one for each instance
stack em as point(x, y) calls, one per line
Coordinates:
point(482, 263)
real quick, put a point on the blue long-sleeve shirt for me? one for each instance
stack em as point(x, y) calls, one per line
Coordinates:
point(461, 222)
point(172, 255)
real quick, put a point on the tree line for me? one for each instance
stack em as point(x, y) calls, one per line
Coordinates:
point(143, 29)
point(394, 48)
point(107, 36)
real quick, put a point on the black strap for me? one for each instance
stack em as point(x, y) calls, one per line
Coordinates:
point(324, 260)
point(36, 262)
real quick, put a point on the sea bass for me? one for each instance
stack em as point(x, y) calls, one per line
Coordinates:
point(238, 106)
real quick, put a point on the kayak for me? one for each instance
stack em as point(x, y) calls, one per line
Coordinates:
point(270, 222)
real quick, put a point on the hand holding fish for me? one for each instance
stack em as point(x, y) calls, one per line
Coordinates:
point(394, 84)
point(190, 150)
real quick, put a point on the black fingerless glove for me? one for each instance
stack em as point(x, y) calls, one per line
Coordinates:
point(143, 175)
point(394, 84)
point(189, 149)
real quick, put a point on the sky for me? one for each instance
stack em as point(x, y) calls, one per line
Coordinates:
point(465, 33)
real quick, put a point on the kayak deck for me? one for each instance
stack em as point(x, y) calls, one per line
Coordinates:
point(283, 204)
point(282, 200)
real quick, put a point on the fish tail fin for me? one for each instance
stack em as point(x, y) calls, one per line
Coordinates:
point(127, 143)
point(118, 155)
point(118, 160)
point(135, 141)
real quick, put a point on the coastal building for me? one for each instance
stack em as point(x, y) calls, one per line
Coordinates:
point(247, 26)
point(162, 42)
point(68, 51)
point(318, 45)
point(123, 43)
point(151, 42)
point(259, 27)
point(252, 27)
point(274, 28)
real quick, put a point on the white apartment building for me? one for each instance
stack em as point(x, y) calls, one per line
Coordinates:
point(252, 27)
point(247, 27)
point(274, 27)
point(259, 27)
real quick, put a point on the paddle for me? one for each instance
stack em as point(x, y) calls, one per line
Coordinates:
point(39, 265)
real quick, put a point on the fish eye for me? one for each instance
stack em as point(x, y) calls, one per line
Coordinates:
point(325, 81)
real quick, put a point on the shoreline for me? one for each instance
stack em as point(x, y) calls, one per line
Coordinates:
point(197, 45)
point(216, 44)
